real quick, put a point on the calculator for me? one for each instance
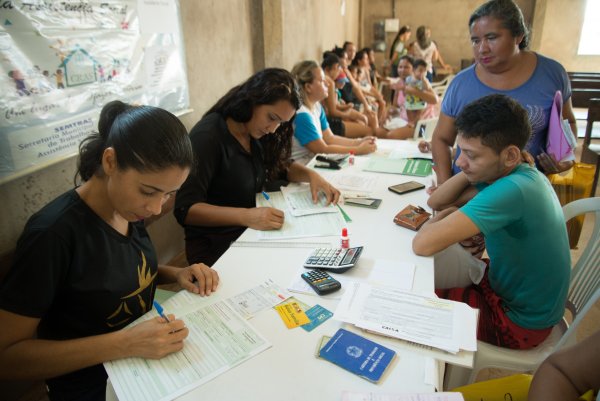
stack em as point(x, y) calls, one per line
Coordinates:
point(336, 260)
point(321, 282)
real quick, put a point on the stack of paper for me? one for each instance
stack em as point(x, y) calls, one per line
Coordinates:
point(446, 325)
point(310, 225)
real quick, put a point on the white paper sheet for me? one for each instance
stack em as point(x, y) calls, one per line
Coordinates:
point(382, 271)
point(439, 323)
point(300, 203)
point(363, 396)
point(259, 298)
point(320, 225)
point(219, 339)
point(359, 183)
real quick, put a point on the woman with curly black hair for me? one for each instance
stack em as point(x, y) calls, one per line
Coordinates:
point(241, 143)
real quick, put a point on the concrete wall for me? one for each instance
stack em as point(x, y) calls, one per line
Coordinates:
point(448, 27)
point(225, 41)
point(556, 32)
point(555, 25)
point(322, 27)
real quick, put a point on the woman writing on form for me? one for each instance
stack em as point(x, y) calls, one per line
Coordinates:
point(85, 267)
point(242, 143)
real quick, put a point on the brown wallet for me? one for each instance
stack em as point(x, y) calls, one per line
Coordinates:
point(412, 217)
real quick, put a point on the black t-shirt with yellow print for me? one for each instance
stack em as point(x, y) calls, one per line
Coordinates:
point(80, 277)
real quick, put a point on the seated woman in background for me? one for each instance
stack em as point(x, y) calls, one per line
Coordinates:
point(368, 87)
point(343, 119)
point(241, 143)
point(311, 131)
point(351, 91)
point(398, 113)
point(85, 267)
point(373, 73)
point(405, 70)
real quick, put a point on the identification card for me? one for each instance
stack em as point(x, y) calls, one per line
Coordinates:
point(317, 315)
point(292, 314)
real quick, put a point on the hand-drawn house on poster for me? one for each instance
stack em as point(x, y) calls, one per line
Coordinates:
point(80, 68)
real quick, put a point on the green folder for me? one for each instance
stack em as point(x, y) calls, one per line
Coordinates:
point(414, 167)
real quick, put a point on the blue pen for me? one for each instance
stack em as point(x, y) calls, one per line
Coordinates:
point(161, 311)
point(268, 198)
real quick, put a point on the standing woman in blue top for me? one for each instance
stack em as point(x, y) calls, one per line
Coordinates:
point(241, 144)
point(504, 65)
point(311, 130)
point(85, 267)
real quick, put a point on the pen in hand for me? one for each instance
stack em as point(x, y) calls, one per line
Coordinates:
point(267, 198)
point(161, 311)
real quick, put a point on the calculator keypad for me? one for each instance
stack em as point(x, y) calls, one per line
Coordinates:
point(335, 259)
point(321, 282)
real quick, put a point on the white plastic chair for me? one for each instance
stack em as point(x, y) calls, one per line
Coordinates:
point(424, 128)
point(584, 291)
point(440, 91)
point(444, 82)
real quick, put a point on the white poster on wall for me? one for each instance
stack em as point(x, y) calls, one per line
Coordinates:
point(61, 61)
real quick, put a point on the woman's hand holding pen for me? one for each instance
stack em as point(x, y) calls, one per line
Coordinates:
point(265, 218)
point(198, 279)
point(155, 338)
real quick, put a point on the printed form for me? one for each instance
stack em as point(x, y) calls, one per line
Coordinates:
point(314, 225)
point(219, 339)
point(360, 183)
point(439, 323)
point(300, 203)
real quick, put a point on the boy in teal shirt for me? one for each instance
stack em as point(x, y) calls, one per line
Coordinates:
point(522, 295)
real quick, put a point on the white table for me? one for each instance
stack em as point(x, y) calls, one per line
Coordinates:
point(289, 370)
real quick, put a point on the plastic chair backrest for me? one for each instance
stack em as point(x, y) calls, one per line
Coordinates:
point(424, 129)
point(444, 82)
point(584, 288)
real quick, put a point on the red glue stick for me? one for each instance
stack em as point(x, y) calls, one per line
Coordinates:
point(345, 240)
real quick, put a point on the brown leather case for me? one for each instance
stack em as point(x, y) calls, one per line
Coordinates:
point(412, 217)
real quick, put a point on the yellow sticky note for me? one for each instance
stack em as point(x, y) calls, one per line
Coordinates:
point(292, 314)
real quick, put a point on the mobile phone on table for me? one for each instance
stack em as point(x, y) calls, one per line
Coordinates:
point(406, 187)
point(371, 203)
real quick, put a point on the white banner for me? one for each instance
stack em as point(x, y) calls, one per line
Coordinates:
point(62, 60)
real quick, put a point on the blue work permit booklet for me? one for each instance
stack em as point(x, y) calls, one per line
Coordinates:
point(358, 355)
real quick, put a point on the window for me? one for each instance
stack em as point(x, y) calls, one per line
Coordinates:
point(589, 43)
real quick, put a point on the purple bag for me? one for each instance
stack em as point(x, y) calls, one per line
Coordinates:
point(560, 142)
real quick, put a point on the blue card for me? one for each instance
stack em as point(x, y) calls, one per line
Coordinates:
point(317, 315)
point(358, 355)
